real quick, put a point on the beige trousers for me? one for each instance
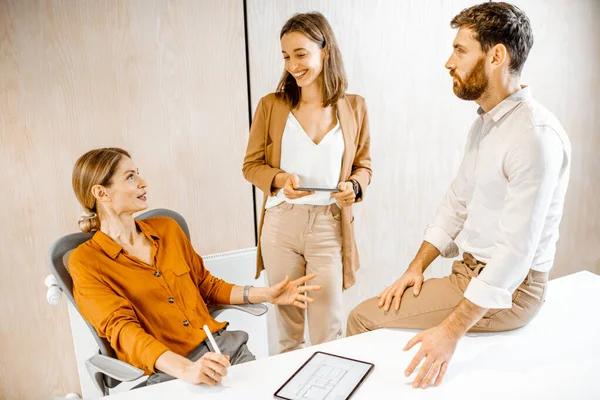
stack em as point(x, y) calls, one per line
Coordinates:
point(439, 297)
point(299, 240)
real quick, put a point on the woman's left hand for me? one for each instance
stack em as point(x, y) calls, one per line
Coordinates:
point(293, 292)
point(345, 197)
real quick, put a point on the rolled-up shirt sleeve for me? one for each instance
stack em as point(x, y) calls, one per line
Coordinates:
point(532, 167)
point(441, 240)
point(213, 290)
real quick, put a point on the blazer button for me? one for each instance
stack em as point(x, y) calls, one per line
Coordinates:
point(186, 322)
point(157, 274)
point(171, 300)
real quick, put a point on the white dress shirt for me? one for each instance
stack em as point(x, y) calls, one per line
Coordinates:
point(317, 165)
point(507, 198)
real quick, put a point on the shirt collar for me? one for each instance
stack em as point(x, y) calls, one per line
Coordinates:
point(506, 105)
point(112, 249)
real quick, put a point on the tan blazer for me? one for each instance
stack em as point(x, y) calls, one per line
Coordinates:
point(263, 157)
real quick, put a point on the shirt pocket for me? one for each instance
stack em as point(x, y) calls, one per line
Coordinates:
point(185, 287)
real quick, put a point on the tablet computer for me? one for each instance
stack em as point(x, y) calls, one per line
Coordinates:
point(325, 376)
point(333, 190)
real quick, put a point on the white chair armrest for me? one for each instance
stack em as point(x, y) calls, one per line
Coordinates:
point(254, 309)
point(112, 367)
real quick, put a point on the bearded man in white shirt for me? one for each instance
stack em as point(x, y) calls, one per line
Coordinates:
point(506, 200)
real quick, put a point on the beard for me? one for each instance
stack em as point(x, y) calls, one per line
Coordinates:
point(474, 85)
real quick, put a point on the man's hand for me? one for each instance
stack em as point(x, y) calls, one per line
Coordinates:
point(438, 344)
point(412, 277)
point(210, 369)
point(437, 347)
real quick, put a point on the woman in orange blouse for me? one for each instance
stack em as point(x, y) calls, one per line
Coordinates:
point(144, 288)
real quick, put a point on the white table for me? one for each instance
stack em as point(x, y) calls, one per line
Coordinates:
point(557, 356)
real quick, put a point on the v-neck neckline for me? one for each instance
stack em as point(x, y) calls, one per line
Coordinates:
point(308, 137)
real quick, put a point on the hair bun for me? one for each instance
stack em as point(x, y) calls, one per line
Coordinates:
point(88, 221)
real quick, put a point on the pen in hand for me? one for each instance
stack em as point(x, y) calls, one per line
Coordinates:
point(215, 347)
point(211, 339)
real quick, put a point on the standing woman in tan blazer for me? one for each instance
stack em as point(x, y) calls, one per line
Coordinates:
point(309, 134)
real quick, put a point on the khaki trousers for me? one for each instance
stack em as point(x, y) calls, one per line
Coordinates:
point(439, 297)
point(299, 240)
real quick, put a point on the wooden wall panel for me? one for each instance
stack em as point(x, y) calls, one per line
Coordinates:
point(394, 54)
point(165, 80)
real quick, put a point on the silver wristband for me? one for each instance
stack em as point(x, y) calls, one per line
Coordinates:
point(246, 294)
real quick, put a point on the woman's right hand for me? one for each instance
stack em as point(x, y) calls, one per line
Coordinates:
point(291, 184)
point(209, 369)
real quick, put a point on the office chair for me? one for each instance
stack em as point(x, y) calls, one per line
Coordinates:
point(105, 369)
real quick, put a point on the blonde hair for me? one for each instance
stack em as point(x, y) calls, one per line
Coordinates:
point(96, 167)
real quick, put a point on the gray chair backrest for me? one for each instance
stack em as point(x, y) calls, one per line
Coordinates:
point(58, 261)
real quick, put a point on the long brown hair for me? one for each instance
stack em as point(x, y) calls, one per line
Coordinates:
point(96, 167)
point(315, 27)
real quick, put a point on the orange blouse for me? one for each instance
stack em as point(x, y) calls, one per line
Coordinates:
point(145, 310)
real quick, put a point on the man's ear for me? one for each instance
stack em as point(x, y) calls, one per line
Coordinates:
point(500, 56)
